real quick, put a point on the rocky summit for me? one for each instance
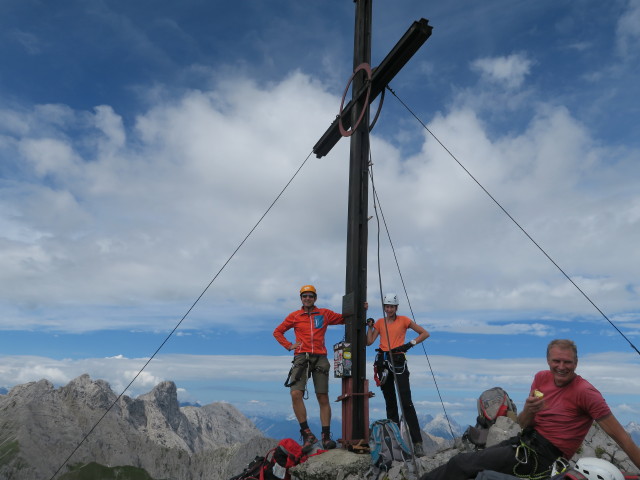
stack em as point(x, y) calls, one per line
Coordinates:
point(342, 465)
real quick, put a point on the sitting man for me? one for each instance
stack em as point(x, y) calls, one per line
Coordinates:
point(556, 418)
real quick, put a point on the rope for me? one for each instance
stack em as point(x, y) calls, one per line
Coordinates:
point(386, 327)
point(529, 455)
point(513, 220)
point(376, 205)
point(183, 317)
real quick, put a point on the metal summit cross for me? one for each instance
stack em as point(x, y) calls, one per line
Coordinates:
point(366, 85)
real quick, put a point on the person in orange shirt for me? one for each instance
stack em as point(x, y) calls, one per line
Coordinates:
point(310, 360)
point(391, 364)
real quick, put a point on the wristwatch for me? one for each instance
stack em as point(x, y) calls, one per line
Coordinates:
point(413, 342)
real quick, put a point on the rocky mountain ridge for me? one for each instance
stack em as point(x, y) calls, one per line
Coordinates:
point(40, 426)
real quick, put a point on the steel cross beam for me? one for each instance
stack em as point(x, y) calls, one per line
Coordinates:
point(397, 58)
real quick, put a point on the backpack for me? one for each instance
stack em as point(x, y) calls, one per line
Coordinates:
point(278, 461)
point(275, 464)
point(251, 471)
point(492, 403)
point(386, 445)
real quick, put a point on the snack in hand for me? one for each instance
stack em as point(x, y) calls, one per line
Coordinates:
point(538, 393)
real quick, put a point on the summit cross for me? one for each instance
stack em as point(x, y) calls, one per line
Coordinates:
point(366, 85)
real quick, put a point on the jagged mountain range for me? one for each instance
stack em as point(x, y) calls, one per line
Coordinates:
point(41, 427)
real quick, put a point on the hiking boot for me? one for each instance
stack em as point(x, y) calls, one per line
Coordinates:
point(327, 442)
point(418, 451)
point(308, 440)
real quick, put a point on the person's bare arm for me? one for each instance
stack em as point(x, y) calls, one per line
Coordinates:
point(616, 431)
point(422, 333)
point(532, 405)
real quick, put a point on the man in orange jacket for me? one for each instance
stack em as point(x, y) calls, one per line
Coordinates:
point(310, 360)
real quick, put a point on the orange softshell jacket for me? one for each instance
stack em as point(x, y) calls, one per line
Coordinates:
point(309, 328)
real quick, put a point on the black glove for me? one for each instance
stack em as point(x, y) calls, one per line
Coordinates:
point(402, 348)
point(370, 322)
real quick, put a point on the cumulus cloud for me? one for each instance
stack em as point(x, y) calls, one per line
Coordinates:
point(509, 71)
point(214, 378)
point(111, 226)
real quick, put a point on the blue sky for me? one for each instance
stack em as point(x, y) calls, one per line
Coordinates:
point(141, 141)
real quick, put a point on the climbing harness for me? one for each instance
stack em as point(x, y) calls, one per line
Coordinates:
point(383, 364)
point(298, 368)
point(531, 445)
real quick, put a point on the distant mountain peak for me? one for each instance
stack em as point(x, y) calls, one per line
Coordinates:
point(45, 424)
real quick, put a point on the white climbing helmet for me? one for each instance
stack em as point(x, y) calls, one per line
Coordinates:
point(598, 469)
point(390, 299)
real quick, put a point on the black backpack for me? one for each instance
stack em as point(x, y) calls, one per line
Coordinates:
point(492, 403)
point(252, 471)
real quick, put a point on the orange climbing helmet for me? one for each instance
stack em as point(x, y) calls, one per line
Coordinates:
point(308, 288)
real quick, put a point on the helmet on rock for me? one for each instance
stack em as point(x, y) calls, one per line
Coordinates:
point(598, 469)
point(390, 299)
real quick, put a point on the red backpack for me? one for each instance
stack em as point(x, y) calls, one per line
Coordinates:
point(278, 461)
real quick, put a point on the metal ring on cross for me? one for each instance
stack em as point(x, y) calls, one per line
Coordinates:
point(375, 118)
point(367, 69)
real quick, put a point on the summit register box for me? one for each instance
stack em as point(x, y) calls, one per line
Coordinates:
point(342, 360)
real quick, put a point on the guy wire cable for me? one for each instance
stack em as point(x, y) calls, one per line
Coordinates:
point(183, 317)
point(513, 219)
point(384, 317)
point(376, 203)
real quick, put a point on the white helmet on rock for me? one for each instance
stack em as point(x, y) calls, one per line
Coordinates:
point(598, 469)
point(390, 299)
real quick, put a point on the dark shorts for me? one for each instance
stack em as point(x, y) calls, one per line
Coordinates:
point(318, 366)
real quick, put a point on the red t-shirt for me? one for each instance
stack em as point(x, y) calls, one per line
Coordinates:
point(397, 331)
point(569, 411)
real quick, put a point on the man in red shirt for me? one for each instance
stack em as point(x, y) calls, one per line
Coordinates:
point(556, 417)
point(310, 360)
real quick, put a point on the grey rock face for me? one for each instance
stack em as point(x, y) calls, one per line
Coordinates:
point(41, 426)
point(503, 429)
point(332, 464)
point(597, 444)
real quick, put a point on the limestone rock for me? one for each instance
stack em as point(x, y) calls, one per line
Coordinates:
point(40, 427)
point(332, 464)
point(503, 429)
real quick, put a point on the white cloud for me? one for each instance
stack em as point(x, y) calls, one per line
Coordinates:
point(116, 219)
point(211, 378)
point(628, 29)
point(509, 71)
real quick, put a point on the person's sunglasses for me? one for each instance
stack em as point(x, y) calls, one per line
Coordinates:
point(308, 295)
